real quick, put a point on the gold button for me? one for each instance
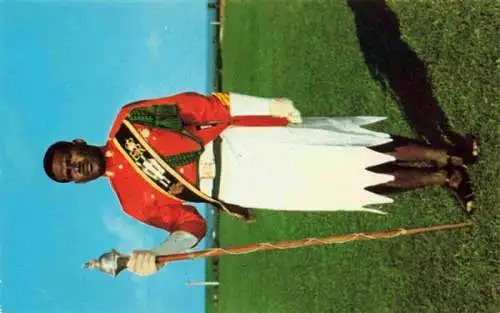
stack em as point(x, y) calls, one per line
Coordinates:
point(181, 170)
point(120, 166)
point(154, 138)
point(109, 154)
point(109, 174)
point(145, 132)
point(152, 196)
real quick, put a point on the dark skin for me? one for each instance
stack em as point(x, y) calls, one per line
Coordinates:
point(80, 163)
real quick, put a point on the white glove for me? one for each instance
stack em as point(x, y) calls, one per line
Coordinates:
point(282, 107)
point(143, 263)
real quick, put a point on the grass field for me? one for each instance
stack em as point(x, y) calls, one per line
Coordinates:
point(431, 67)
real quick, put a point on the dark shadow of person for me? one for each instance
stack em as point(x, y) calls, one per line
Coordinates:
point(400, 72)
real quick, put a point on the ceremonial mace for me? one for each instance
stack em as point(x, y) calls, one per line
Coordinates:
point(112, 263)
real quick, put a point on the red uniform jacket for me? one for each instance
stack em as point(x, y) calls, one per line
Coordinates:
point(137, 197)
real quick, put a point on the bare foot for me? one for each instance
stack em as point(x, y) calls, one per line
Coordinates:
point(461, 185)
point(470, 152)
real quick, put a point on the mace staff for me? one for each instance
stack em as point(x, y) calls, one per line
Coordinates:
point(112, 263)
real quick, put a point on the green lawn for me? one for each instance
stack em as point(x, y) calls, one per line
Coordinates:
point(431, 67)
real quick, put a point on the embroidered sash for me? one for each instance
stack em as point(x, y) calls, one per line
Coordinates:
point(161, 176)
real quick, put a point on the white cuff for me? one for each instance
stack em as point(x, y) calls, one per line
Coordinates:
point(249, 105)
point(178, 241)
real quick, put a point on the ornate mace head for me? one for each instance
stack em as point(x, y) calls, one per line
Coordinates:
point(111, 263)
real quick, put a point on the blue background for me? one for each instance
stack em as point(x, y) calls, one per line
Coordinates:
point(67, 68)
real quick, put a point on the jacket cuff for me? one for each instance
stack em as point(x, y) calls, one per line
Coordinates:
point(178, 241)
point(241, 105)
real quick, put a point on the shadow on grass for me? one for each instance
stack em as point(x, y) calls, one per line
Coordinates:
point(399, 71)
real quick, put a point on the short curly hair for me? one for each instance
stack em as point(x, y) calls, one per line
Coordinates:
point(61, 146)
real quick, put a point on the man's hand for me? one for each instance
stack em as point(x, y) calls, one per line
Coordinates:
point(142, 263)
point(282, 107)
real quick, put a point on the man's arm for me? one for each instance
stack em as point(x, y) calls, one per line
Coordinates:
point(193, 107)
point(186, 226)
point(220, 110)
point(143, 263)
point(221, 106)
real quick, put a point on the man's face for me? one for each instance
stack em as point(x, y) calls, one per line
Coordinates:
point(80, 163)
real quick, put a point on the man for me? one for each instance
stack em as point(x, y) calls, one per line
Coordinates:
point(238, 152)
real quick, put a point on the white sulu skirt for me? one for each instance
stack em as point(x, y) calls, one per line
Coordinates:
point(319, 165)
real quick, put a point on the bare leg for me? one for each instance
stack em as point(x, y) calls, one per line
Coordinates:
point(415, 178)
point(421, 153)
point(408, 178)
point(410, 150)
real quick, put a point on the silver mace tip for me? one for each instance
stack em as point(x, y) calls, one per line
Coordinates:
point(92, 264)
point(110, 263)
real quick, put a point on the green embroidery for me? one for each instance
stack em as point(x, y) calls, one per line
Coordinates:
point(166, 117)
point(182, 159)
